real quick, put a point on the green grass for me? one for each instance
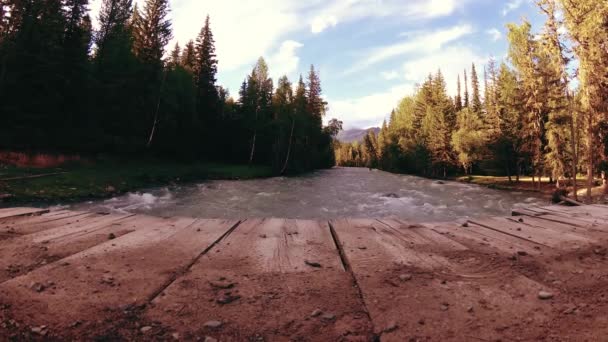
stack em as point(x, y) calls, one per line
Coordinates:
point(110, 177)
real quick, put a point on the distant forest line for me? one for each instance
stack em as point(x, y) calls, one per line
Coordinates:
point(66, 87)
point(536, 116)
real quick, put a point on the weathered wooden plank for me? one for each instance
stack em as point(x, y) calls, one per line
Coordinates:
point(33, 224)
point(124, 271)
point(260, 272)
point(476, 235)
point(14, 212)
point(541, 236)
point(427, 235)
point(400, 292)
point(591, 234)
point(29, 252)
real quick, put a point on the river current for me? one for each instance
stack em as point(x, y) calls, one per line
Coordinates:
point(326, 194)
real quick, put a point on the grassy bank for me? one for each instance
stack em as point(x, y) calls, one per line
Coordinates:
point(106, 178)
point(525, 184)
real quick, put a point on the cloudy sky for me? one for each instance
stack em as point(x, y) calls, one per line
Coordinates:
point(370, 53)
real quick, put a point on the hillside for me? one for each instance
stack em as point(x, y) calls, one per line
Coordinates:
point(355, 134)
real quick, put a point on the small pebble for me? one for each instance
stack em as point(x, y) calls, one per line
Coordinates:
point(213, 324)
point(328, 317)
point(544, 295)
point(316, 313)
point(405, 277)
point(145, 329)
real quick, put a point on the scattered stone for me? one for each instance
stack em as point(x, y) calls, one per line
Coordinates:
point(405, 277)
point(106, 279)
point(145, 329)
point(362, 248)
point(225, 285)
point(328, 317)
point(421, 321)
point(213, 324)
point(111, 236)
point(521, 220)
point(263, 236)
point(465, 225)
point(391, 327)
point(210, 339)
point(544, 295)
point(312, 264)
point(391, 195)
point(41, 330)
point(37, 287)
point(470, 308)
point(176, 336)
point(316, 313)
point(522, 253)
point(599, 251)
point(445, 307)
point(570, 310)
point(75, 324)
point(227, 299)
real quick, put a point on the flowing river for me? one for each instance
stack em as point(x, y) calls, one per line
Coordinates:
point(327, 194)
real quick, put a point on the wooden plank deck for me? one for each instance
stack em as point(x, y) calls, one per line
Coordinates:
point(80, 275)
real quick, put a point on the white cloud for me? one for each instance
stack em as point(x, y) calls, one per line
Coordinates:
point(495, 34)
point(321, 23)
point(511, 6)
point(389, 75)
point(420, 43)
point(452, 62)
point(285, 61)
point(368, 110)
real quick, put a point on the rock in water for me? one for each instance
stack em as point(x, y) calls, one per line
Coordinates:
point(391, 195)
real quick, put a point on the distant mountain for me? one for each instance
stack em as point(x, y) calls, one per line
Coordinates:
point(355, 134)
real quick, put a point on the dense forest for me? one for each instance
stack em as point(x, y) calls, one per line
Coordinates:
point(543, 112)
point(67, 87)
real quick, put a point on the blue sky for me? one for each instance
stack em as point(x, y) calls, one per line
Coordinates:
point(370, 53)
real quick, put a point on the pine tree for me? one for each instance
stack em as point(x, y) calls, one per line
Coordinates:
point(188, 58)
point(458, 98)
point(316, 104)
point(476, 105)
point(152, 32)
point(205, 71)
point(524, 54)
point(466, 90)
point(586, 21)
point(77, 44)
point(175, 56)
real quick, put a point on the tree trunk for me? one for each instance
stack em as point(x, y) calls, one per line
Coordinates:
point(255, 134)
point(293, 124)
point(160, 93)
point(590, 158)
point(574, 157)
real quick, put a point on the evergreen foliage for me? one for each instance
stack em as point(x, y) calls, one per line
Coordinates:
point(117, 90)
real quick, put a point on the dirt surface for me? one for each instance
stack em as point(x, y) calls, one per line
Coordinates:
point(540, 276)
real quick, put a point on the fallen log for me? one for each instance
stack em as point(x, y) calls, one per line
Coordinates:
point(32, 176)
point(571, 201)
